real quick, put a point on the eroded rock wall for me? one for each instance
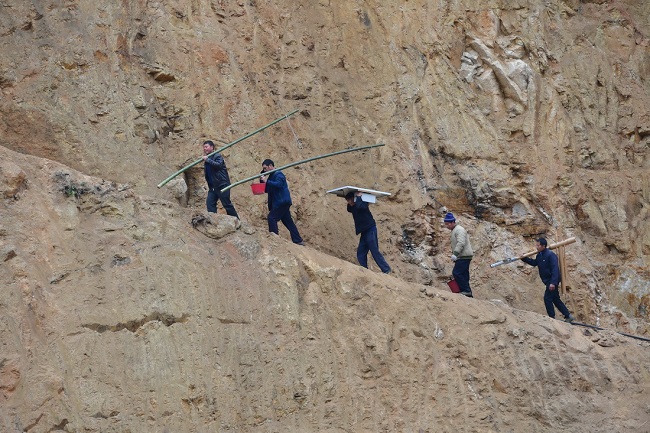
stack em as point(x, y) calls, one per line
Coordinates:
point(523, 118)
point(531, 117)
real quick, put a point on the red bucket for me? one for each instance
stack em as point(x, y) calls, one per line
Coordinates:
point(453, 285)
point(258, 188)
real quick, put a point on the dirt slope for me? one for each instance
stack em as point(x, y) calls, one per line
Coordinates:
point(118, 315)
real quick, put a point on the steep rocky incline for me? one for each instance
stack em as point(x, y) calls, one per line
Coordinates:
point(118, 314)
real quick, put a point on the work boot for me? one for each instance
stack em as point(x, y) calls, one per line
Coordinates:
point(468, 294)
point(569, 318)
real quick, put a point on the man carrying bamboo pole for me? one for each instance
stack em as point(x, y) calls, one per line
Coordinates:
point(279, 201)
point(217, 177)
point(549, 271)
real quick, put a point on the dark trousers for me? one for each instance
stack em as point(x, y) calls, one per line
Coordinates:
point(551, 298)
point(216, 194)
point(461, 274)
point(369, 242)
point(283, 213)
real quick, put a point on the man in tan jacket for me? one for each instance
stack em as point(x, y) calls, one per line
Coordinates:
point(461, 254)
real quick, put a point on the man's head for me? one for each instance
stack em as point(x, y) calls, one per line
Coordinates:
point(208, 147)
point(450, 221)
point(349, 197)
point(541, 244)
point(267, 165)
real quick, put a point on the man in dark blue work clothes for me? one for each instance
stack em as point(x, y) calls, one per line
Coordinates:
point(549, 271)
point(279, 201)
point(217, 177)
point(365, 225)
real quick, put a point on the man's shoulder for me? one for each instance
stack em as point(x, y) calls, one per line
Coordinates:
point(547, 254)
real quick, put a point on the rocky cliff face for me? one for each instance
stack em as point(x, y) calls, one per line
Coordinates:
point(523, 118)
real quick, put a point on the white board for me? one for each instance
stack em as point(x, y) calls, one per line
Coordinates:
point(367, 195)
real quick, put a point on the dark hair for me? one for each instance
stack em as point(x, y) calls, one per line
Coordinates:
point(349, 195)
point(268, 162)
point(542, 241)
point(209, 142)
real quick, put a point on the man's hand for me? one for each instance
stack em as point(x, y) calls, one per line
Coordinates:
point(551, 287)
point(453, 258)
point(263, 178)
point(204, 157)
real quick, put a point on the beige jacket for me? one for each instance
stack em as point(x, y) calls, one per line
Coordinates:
point(460, 246)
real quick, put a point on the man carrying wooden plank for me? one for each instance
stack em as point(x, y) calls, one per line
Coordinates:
point(549, 271)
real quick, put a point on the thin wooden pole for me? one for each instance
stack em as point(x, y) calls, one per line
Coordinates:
point(563, 270)
point(227, 146)
point(298, 163)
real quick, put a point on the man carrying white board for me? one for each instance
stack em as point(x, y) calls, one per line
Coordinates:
point(364, 224)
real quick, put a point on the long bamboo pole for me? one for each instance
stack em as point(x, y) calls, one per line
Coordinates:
point(227, 146)
point(298, 163)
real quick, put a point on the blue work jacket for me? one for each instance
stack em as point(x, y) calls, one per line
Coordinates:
point(548, 266)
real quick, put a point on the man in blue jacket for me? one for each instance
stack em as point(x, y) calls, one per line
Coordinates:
point(217, 177)
point(365, 225)
point(549, 271)
point(279, 201)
